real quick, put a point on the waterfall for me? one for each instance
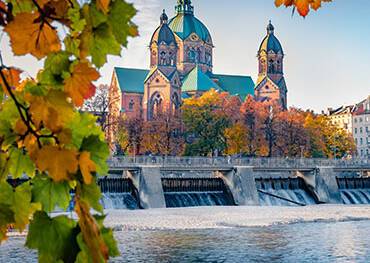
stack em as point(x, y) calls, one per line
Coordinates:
point(287, 188)
point(354, 190)
point(181, 192)
point(118, 193)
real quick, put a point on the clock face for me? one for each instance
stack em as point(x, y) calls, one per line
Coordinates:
point(194, 37)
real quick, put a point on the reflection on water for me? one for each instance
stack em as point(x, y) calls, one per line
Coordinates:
point(306, 242)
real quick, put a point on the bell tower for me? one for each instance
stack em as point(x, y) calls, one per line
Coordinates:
point(271, 84)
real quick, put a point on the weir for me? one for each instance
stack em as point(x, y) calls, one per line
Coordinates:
point(118, 193)
point(184, 192)
point(158, 182)
point(354, 190)
point(283, 191)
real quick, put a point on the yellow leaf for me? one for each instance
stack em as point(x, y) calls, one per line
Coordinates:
point(79, 85)
point(91, 233)
point(59, 163)
point(30, 34)
point(12, 78)
point(52, 110)
point(86, 166)
point(103, 5)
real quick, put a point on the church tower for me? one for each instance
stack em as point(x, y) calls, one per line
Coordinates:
point(162, 86)
point(193, 39)
point(271, 84)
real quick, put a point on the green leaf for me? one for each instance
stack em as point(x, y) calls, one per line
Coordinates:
point(83, 125)
point(84, 255)
point(72, 45)
point(19, 201)
point(77, 23)
point(91, 194)
point(119, 18)
point(96, 16)
point(4, 167)
point(50, 194)
point(20, 164)
point(99, 153)
point(54, 238)
point(56, 64)
point(102, 43)
point(8, 117)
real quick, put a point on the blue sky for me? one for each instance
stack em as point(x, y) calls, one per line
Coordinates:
point(327, 61)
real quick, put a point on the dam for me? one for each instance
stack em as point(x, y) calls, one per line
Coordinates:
point(158, 182)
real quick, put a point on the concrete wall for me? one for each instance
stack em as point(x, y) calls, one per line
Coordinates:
point(241, 184)
point(323, 185)
point(149, 185)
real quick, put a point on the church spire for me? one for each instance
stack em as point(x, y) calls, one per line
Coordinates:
point(185, 7)
point(270, 28)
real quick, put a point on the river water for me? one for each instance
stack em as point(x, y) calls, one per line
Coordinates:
point(298, 242)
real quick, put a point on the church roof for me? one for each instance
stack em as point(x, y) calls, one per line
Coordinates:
point(196, 80)
point(132, 81)
point(270, 42)
point(185, 24)
point(235, 85)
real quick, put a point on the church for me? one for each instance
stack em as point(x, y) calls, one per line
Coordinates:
point(181, 66)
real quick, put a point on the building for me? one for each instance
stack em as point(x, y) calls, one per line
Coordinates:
point(181, 66)
point(342, 117)
point(361, 127)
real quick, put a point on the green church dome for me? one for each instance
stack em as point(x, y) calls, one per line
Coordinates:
point(270, 42)
point(185, 23)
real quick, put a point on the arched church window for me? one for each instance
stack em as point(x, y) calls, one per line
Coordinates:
point(131, 105)
point(155, 105)
point(175, 104)
point(271, 66)
point(191, 55)
point(199, 55)
point(162, 58)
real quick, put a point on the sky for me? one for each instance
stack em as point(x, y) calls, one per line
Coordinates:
point(327, 54)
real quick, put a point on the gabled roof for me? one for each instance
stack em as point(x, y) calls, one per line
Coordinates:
point(131, 80)
point(241, 86)
point(196, 80)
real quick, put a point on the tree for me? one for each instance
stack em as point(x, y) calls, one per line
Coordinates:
point(253, 118)
point(205, 120)
point(98, 106)
point(163, 135)
point(292, 138)
point(327, 140)
point(42, 134)
point(129, 135)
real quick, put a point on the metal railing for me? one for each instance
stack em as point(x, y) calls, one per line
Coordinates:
point(126, 161)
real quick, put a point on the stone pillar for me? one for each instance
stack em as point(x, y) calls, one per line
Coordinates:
point(149, 185)
point(242, 186)
point(323, 185)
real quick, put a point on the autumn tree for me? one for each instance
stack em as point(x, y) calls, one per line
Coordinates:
point(292, 138)
point(98, 106)
point(253, 118)
point(205, 120)
point(327, 140)
point(163, 135)
point(42, 134)
point(129, 135)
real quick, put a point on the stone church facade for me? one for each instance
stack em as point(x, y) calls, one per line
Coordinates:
point(181, 66)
